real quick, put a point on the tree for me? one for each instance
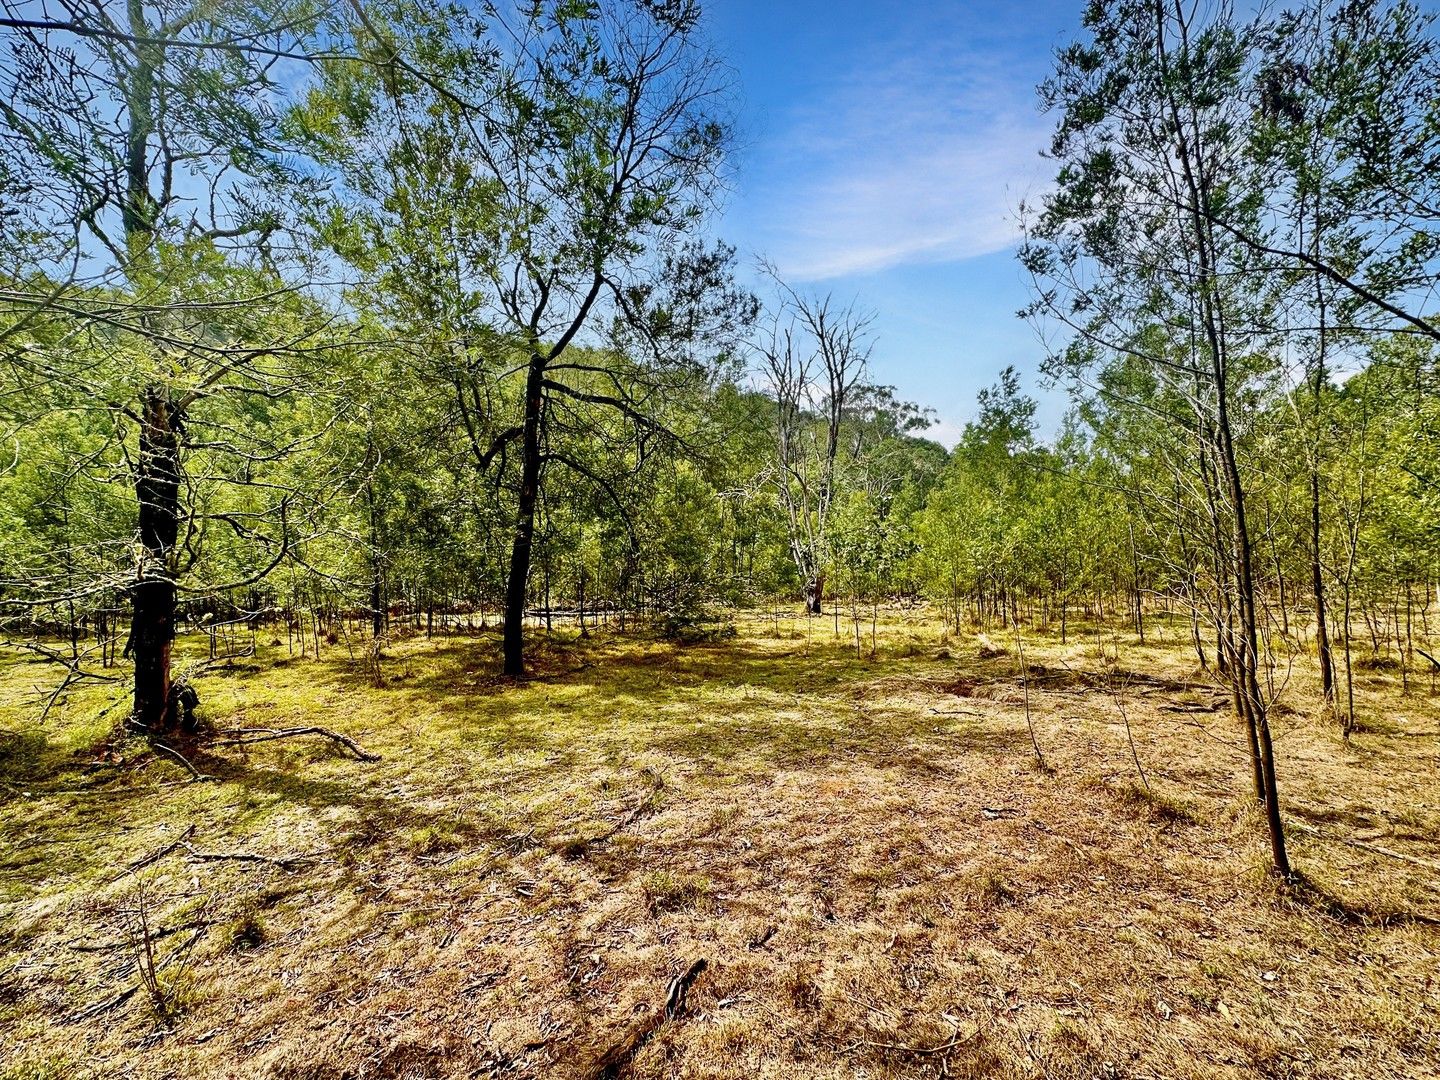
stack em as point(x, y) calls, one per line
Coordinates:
point(812, 357)
point(1127, 255)
point(141, 134)
point(555, 211)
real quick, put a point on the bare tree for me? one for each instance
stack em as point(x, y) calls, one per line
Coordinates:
point(813, 354)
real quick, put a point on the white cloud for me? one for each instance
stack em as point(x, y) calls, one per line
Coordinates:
point(920, 156)
point(946, 432)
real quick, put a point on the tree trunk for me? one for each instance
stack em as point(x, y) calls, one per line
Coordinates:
point(516, 584)
point(814, 594)
point(152, 626)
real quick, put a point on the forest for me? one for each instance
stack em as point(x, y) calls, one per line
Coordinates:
point(462, 617)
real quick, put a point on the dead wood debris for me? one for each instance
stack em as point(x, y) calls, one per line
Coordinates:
point(176, 756)
point(246, 736)
point(952, 1043)
point(759, 940)
point(154, 856)
point(615, 1062)
point(288, 864)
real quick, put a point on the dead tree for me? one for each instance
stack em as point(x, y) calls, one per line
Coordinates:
point(813, 354)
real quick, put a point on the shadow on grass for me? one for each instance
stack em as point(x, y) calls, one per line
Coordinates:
point(783, 706)
point(445, 717)
point(1310, 895)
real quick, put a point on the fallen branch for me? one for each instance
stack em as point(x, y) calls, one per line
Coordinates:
point(921, 1051)
point(101, 1007)
point(245, 736)
point(1363, 846)
point(993, 812)
point(615, 1062)
point(159, 935)
point(154, 856)
point(286, 864)
point(679, 987)
point(175, 755)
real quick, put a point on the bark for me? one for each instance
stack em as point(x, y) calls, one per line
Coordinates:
point(1245, 677)
point(152, 627)
point(815, 594)
point(518, 580)
point(1317, 586)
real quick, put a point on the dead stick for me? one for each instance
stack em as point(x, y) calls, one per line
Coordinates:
point(245, 856)
point(1363, 846)
point(922, 1051)
point(154, 856)
point(175, 755)
point(616, 1060)
point(244, 736)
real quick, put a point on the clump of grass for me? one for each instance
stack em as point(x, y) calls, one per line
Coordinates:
point(1068, 1034)
point(719, 818)
point(1156, 804)
point(798, 987)
point(1377, 663)
point(44, 1067)
point(1371, 725)
point(247, 931)
point(1410, 817)
point(992, 890)
point(665, 891)
point(435, 839)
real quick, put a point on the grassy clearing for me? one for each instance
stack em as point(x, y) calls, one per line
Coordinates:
point(880, 879)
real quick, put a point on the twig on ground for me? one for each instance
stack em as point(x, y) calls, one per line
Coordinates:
point(245, 736)
point(761, 939)
point(615, 1061)
point(158, 935)
point(921, 1051)
point(154, 856)
point(175, 755)
point(102, 1007)
point(286, 864)
point(679, 987)
point(1363, 846)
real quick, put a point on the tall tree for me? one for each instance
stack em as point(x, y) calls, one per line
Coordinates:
point(567, 204)
point(140, 130)
point(1128, 256)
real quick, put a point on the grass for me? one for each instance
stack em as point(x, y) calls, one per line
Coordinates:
point(863, 851)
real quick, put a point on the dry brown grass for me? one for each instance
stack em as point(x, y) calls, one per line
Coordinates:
point(880, 879)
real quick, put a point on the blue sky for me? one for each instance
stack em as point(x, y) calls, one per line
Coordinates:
point(883, 151)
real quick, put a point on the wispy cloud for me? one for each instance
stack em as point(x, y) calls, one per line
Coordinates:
point(922, 155)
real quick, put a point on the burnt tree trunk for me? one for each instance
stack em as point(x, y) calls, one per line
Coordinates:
point(152, 626)
point(815, 594)
point(516, 584)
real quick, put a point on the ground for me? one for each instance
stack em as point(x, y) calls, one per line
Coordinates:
point(881, 878)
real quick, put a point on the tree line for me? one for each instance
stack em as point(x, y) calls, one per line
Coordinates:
point(343, 316)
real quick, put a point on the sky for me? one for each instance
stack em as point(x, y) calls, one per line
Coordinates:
point(883, 151)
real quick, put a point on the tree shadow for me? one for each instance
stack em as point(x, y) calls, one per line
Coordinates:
point(1309, 894)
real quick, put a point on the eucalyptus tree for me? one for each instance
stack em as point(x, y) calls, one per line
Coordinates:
point(1129, 260)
